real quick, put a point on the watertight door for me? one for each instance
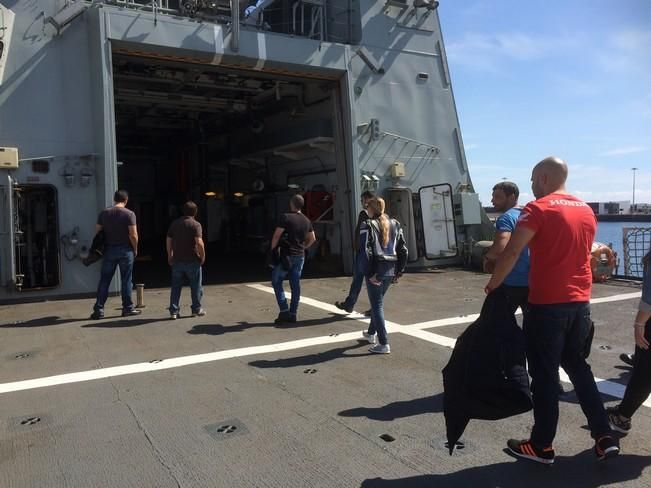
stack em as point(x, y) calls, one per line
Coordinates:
point(439, 231)
point(7, 237)
point(400, 207)
point(36, 237)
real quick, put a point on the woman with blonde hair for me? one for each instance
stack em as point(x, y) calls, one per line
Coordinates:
point(384, 251)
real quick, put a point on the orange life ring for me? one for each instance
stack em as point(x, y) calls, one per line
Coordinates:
point(602, 262)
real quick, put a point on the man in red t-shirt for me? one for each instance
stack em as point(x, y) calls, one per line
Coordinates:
point(559, 229)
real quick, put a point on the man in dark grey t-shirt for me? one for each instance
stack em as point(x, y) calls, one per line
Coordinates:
point(121, 247)
point(186, 254)
point(299, 236)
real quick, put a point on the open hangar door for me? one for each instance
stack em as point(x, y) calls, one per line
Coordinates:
point(239, 144)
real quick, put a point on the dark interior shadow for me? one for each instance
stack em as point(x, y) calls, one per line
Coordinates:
point(311, 359)
point(120, 323)
point(397, 410)
point(41, 322)
point(580, 471)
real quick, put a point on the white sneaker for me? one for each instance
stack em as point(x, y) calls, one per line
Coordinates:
point(369, 337)
point(380, 349)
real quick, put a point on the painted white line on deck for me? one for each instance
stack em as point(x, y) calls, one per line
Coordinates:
point(178, 362)
point(604, 386)
point(617, 298)
point(429, 337)
point(466, 319)
point(415, 330)
point(326, 307)
point(430, 324)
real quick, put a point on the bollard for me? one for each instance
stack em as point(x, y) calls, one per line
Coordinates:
point(140, 295)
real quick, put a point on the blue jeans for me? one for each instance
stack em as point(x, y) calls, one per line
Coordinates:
point(191, 271)
point(556, 335)
point(376, 297)
point(278, 275)
point(356, 284)
point(115, 256)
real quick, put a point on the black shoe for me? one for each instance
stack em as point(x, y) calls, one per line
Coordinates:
point(283, 318)
point(526, 450)
point(97, 315)
point(291, 318)
point(130, 313)
point(342, 306)
point(606, 447)
point(627, 358)
point(368, 313)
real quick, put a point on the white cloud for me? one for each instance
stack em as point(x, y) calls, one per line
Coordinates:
point(575, 87)
point(486, 52)
point(632, 40)
point(624, 151)
point(627, 53)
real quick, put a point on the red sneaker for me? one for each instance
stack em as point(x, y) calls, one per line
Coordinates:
point(526, 450)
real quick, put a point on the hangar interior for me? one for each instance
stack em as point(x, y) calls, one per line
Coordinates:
point(239, 144)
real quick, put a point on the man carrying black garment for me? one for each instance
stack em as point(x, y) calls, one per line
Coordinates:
point(559, 229)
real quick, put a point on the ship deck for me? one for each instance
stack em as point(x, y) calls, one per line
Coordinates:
point(233, 400)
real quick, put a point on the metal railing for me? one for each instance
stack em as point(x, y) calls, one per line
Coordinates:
point(323, 20)
point(636, 244)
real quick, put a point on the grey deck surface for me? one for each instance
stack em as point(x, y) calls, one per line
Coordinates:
point(293, 429)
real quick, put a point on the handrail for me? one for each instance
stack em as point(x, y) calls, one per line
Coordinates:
point(235, 14)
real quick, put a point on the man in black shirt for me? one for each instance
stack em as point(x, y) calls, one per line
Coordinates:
point(120, 249)
point(299, 236)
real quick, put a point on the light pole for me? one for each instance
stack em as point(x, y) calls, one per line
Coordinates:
point(633, 204)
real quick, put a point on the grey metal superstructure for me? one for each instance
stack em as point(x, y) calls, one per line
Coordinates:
point(235, 107)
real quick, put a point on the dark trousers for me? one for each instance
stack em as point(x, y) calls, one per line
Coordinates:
point(376, 297)
point(356, 284)
point(278, 275)
point(556, 335)
point(115, 256)
point(191, 271)
point(518, 296)
point(639, 386)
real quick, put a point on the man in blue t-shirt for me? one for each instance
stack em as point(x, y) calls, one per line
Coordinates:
point(516, 284)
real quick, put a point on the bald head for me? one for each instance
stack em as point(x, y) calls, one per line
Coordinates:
point(548, 176)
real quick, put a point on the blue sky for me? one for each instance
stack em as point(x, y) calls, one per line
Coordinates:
point(570, 78)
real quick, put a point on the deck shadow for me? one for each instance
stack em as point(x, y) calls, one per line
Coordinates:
point(121, 323)
point(311, 359)
point(397, 410)
point(219, 329)
point(42, 322)
point(580, 471)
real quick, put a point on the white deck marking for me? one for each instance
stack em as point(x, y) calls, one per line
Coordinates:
point(429, 337)
point(617, 298)
point(97, 374)
point(466, 319)
point(606, 387)
point(414, 330)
